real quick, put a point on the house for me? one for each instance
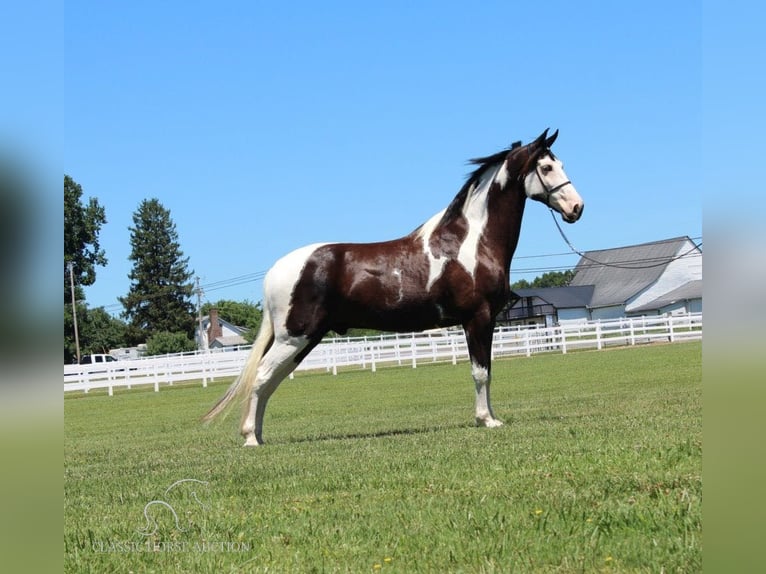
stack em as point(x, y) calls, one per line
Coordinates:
point(647, 279)
point(547, 306)
point(218, 333)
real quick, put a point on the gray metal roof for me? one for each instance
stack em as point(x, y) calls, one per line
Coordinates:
point(623, 272)
point(229, 341)
point(560, 297)
point(689, 290)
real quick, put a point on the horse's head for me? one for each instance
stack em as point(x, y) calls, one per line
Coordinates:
point(545, 180)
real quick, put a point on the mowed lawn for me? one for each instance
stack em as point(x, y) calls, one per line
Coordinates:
point(597, 469)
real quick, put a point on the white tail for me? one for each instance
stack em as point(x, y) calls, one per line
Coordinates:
point(262, 343)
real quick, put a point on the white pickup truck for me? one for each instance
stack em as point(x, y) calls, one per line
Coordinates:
point(96, 358)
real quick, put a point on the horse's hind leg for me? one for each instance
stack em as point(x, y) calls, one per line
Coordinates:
point(277, 363)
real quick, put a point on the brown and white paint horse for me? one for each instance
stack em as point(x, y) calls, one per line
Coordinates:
point(452, 270)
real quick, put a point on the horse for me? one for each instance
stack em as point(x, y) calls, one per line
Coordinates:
point(452, 270)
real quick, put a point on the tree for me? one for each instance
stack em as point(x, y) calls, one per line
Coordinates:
point(82, 224)
point(98, 332)
point(159, 299)
point(521, 284)
point(550, 279)
point(101, 332)
point(163, 343)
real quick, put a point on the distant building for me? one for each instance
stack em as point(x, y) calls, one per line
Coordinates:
point(547, 306)
point(647, 279)
point(218, 333)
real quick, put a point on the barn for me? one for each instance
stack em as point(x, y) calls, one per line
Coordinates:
point(656, 278)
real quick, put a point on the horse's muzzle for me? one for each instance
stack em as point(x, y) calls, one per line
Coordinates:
point(574, 214)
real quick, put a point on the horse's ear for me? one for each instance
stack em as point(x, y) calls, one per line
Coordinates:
point(550, 140)
point(540, 141)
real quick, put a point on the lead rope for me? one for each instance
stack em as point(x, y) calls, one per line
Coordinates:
point(581, 254)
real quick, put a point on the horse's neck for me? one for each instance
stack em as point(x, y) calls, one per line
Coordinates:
point(502, 223)
point(491, 221)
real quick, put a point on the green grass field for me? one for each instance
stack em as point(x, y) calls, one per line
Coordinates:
point(598, 469)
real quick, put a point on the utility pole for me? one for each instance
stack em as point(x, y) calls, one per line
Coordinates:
point(74, 311)
point(201, 344)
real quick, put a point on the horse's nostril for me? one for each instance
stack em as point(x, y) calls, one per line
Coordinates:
point(578, 209)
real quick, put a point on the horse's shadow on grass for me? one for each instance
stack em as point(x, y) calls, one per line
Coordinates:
point(373, 434)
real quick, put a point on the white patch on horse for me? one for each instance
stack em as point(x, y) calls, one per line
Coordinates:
point(480, 374)
point(279, 282)
point(435, 264)
point(476, 213)
point(398, 274)
point(502, 175)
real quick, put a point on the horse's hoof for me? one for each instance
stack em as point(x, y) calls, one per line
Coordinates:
point(489, 423)
point(251, 441)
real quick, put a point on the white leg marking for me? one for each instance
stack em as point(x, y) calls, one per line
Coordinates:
point(278, 362)
point(484, 415)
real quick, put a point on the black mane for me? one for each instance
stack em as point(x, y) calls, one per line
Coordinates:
point(454, 209)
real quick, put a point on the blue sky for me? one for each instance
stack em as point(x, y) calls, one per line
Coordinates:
point(266, 126)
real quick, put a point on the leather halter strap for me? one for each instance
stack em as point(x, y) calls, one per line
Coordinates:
point(549, 191)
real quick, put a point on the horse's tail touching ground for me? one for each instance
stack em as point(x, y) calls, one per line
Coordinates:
point(261, 344)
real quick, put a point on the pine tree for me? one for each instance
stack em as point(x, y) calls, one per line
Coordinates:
point(159, 299)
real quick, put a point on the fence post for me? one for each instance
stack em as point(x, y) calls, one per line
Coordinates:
point(563, 340)
point(670, 329)
point(527, 345)
point(413, 350)
point(598, 335)
point(632, 332)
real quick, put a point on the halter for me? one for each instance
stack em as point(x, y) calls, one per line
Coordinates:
point(549, 191)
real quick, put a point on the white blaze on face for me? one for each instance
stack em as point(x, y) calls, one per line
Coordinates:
point(550, 172)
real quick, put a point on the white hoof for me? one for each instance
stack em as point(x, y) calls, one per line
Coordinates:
point(489, 423)
point(250, 440)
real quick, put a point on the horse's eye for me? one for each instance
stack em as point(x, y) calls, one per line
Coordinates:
point(547, 168)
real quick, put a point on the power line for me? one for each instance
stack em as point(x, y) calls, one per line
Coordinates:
point(659, 261)
point(643, 263)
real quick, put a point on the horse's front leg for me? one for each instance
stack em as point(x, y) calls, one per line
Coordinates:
point(478, 334)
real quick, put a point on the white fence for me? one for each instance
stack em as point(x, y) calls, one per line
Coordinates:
point(391, 349)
